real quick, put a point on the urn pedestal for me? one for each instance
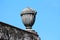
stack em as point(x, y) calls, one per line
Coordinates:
point(28, 18)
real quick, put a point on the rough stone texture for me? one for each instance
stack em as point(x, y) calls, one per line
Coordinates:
point(8, 32)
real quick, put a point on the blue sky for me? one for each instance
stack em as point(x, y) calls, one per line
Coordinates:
point(47, 23)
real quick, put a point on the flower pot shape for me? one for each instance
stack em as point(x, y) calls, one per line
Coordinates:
point(28, 17)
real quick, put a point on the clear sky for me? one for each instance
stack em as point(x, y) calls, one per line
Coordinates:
point(47, 23)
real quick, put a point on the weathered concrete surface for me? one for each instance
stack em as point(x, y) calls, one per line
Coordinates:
point(8, 32)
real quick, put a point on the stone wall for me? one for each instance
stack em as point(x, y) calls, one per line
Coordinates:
point(8, 32)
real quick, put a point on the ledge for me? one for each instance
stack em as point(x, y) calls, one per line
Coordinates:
point(17, 28)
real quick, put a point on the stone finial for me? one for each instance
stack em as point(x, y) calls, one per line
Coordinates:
point(28, 17)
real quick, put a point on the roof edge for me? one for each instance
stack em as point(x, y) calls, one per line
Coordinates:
point(16, 27)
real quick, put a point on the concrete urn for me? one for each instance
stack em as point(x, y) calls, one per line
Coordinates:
point(28, 17)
